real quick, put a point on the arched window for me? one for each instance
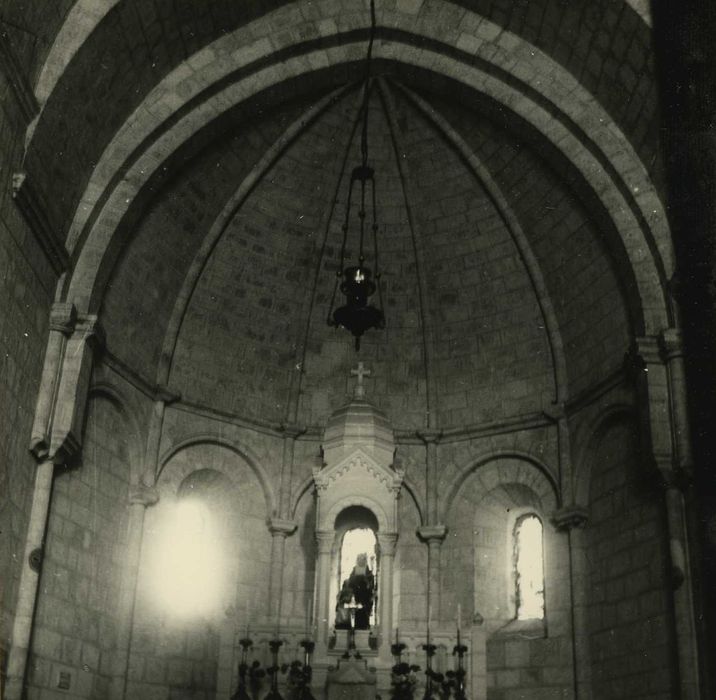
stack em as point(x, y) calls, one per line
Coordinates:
point(528, 557)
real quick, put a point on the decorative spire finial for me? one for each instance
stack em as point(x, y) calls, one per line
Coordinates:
point(360, 372)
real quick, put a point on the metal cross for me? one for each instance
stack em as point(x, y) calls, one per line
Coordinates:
point(352, 607)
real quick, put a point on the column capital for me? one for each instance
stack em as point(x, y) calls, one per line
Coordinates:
point(671, 344)
point(387, 542)
point(647, 347)
point(429, 437)
point(90, 330)
point(63, 316)
point(281, 527)
point(143, 495)
point(432, 533)
point(570, 517)
point(324, 539)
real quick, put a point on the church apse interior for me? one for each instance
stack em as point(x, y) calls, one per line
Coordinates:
point(223, 496)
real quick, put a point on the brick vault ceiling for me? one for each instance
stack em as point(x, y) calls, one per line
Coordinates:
point(234, 314)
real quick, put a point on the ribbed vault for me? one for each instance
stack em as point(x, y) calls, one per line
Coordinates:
point(523, 242)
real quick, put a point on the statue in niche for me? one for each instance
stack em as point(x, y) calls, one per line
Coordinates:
point(356, 597)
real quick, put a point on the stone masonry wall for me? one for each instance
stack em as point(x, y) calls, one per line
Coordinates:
point(77, 616)
point(627, 595)
point(26, 288)
point(174, 655)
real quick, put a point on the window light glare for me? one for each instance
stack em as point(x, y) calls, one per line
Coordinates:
point(188, 572)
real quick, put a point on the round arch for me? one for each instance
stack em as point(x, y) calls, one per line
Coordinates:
point(243, 452)
point(631, 200)
point(113, 394)
point(498, 468)
point(609, 417)
point(328, 519)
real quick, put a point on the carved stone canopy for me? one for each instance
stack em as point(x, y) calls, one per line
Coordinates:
point(358, 424)
point(358, 479)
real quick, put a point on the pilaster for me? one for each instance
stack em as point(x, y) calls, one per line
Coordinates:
point(433, 536)
point(571, 519)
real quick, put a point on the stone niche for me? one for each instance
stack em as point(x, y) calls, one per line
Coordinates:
point(357, 475)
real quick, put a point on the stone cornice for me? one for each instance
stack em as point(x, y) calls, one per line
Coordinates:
point(34, 213)
point(403, 436)
point(21, 87)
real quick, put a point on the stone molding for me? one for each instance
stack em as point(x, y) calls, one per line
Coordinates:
point(671, 344)
point(570, 517)
point(429, 437)
point(165, 395)
point(35, 214)
point(21, 87)
point(432, 533)
point(292, 430)
point(647, 348)
point(390, 478)
point(673, 477)
point(555, 412)
point(63, 317)
point(281, 527)
point(143, 495)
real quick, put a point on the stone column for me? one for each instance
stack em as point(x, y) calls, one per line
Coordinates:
point(29, 577)
point(280, 529)
point(324, 540)
point(56, 439)
point(664, 418)
point(140, 498)
point(571, 519)
point(386, 542)
point(681, 583)
point(433, 535)
point(291, 432)
point(430, 439)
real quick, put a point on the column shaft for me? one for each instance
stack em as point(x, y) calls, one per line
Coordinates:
point(387, 560)
point(29, 577)
point(683, 610)
point(323, 565)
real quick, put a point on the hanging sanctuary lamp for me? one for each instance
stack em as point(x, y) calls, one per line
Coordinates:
point(360, 282)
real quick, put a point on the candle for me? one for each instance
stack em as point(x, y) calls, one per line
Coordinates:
point(396, 636)
point(459, 617)
point(430, 611)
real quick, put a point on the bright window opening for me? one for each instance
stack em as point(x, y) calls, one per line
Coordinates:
point(356, 542)
point(529, 568)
